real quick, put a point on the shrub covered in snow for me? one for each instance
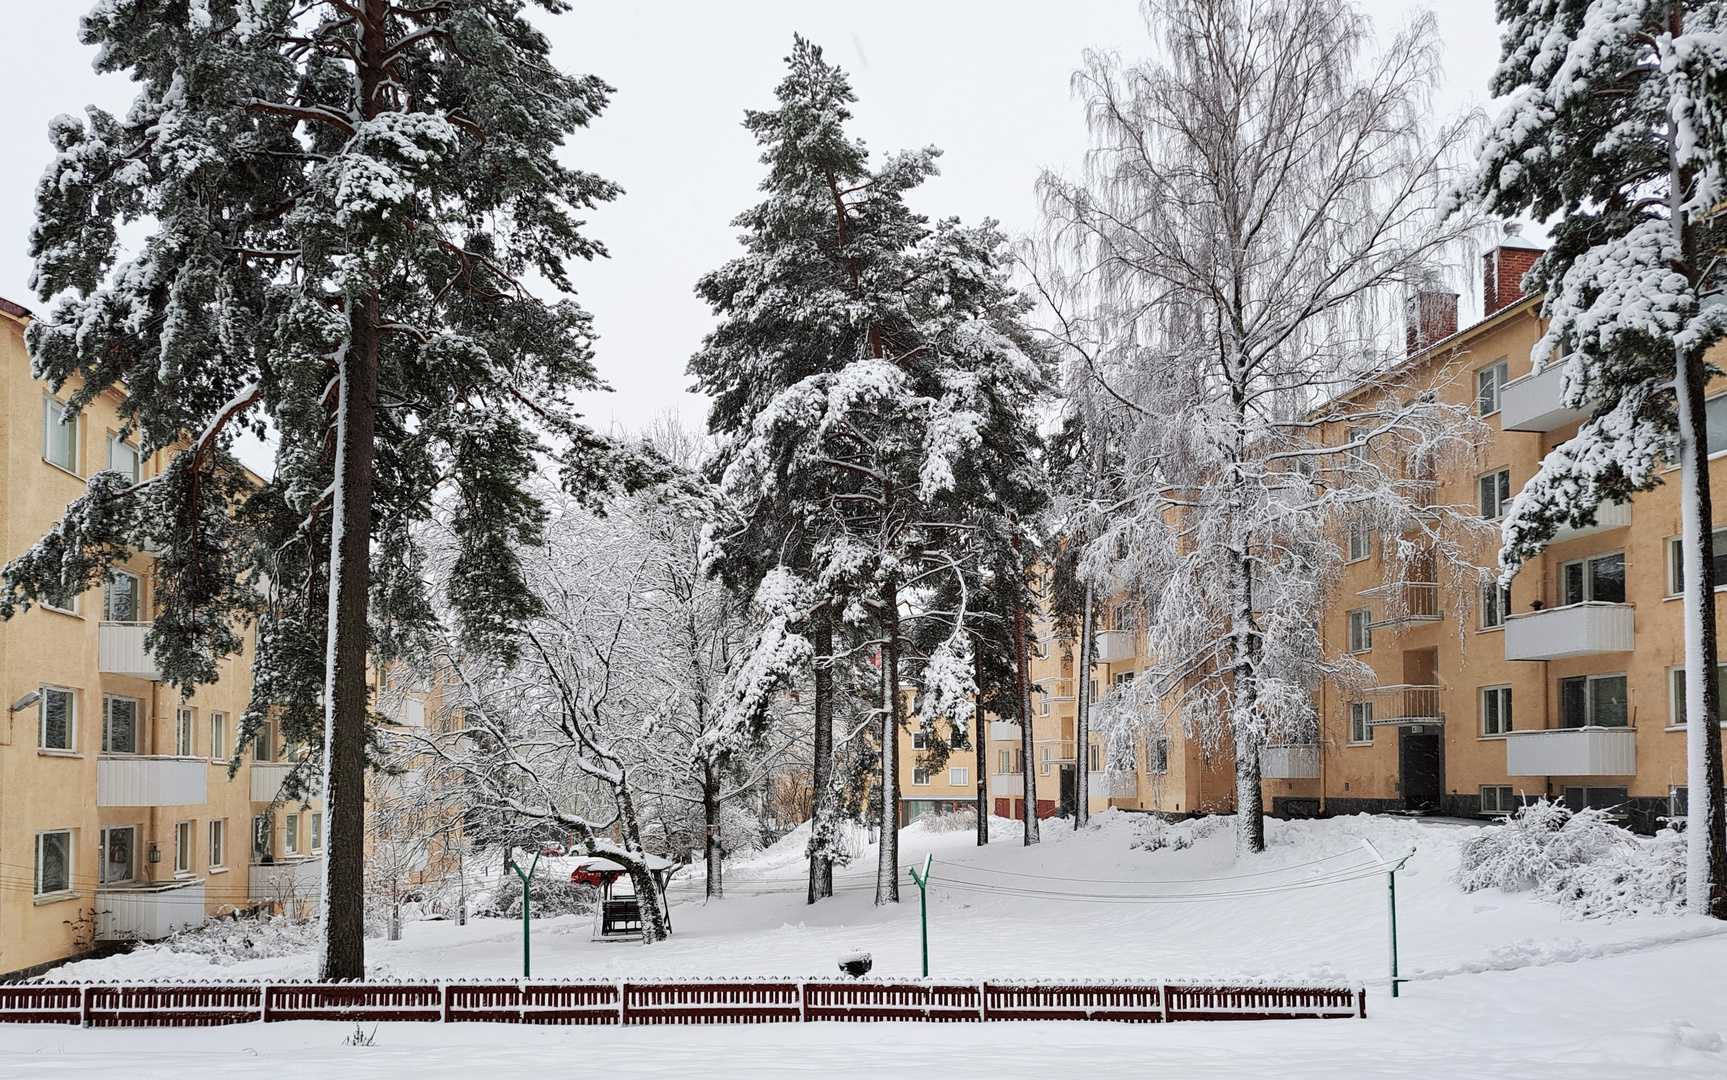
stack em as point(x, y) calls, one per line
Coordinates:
point(1580, 860)
point(552, 896)
point(243, 937)
point(1157, 834)
point(958, 821)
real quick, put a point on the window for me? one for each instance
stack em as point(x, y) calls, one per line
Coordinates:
point(59, 436)
point(1489, 381)
point(1676, 562)
point(263, 745)
point(1043, 760)
point(1121, 679)
point(919, 778)
point(56, 716)
point(919, 740)
point(1495, 710)
point(120, 598)
point(1715, 423)
point(1360, 631)
point(123, 458)
point(1094, 758)
point(119, 725)
point(1006, 762)
point(1360, 539)
point(317, 830)
point(117, 845)
point(1676, 692)
point(291, 827)
point(183, 727)
point(218, 829)
point(1600, 579)
point(1356, 439)
point(218, 736)
point(261, 837)
point(1157, 757)
point(959, 776)
point(414, 711)
point(1361, 721)
point(53, 862)
point(1498, 799)
point(1495, 491)
point(1612, 799)
point(1043, 704)
point(1495, 605)
point(182, 847)
point(1592, 701)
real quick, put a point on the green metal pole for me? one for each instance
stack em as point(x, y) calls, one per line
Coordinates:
point(1391, 879)
point(527, 898)
point(923, 905)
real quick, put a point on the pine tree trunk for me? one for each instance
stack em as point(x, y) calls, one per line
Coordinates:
point(1022, 698)
point(822, 770)
point(654, 925)
point(343, 947)
point(887, 858)
point(1706, 847)
point(980, 746)
point(1082, 718)
point(711, 852)
point(1244, 727)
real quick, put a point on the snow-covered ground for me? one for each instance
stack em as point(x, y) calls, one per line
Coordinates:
point(1504, 984)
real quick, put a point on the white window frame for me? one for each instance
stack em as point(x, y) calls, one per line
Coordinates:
point(263, 829)
point(1676, 562)
point(919, 740)
point(1676, 692)
point(920, 777)
point(137, 597)
point(290, 834)
point(107, 721)
point(1094, 758)
point(136, 472)
point(1361, 723)
point(1495, 605)
point(182, 848)
point(102, 864)
point(53, 409)
point(71, 746)
point(1589, 711)
point(1043, 761)
point(68, 862)
point(1359, 543)
point(958, 776)
point(1350, 435)
point(1499, 496)
point(1005, 760)
point(218, 736)
point(1360, 626)
point(1589, 578)
point(1498, 700)
point(1504, 799)
point(1490, 386)
point(317, 831)
point(218, 843)
point(185, 732)
point(1157, 757)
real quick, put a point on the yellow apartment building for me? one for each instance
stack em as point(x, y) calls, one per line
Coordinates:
point(118, 819)
point(1566, 685)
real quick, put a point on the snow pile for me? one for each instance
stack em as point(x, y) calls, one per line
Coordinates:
point(1579, 860)
point(958, 821)
point(1158, 834)
point(229, 941)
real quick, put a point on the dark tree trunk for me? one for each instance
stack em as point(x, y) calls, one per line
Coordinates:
point(887, 862)
point(712, 854)
point(1022, 699)
point(822, 771)
point(980, 745)
point(1082, 718)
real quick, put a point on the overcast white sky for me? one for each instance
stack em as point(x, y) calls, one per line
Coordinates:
point(985, 80)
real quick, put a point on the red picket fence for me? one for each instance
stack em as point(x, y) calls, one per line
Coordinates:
point(689, 1001)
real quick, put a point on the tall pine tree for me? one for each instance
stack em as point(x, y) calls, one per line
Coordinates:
point(1616, 131)
point(342, 201)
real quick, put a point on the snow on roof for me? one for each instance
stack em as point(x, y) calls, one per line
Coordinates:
point(17, 311)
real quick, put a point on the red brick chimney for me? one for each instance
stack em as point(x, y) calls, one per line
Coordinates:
point(1431, 316)
point(1502, 270)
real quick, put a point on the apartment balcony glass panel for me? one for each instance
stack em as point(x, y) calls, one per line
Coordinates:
point(1290, 761)
point(1583, 629)
point(1003, 731)
point(123, 780)
point(1006, 785)
point(1607, 516)
point(1532, 402)
point(148, 912)
point(1115, 646)
point(287, 880)
point(1583, 751)
point(120, 651)
point(267, 777)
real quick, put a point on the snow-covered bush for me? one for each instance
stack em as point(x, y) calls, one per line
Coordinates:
point(553, 896)
point(1579, 860)
point(957, 821)
point(1158, 834)
point(242, 937)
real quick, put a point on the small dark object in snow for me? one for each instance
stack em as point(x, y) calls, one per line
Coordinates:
point(856, 964)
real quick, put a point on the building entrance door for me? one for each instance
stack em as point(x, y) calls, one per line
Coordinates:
point(1066, 807)
point(1419, 767)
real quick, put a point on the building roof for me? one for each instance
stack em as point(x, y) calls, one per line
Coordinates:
point(17, 311)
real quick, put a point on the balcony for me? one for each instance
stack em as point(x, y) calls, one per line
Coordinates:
point(120, 651)
point(1003, 785)
point(1112, 785)
point(1575, 630)
point(1532, 403)
point(1003, 731)
point(1405, 704)
point(1607, 516)
point(1584, 751)
point(1115, 646)
point(267, 777)
point(152, 781)
point(1056, 688)
point(148, 912)
point(280, 882)
point(1290, 761)
point(1406, 604)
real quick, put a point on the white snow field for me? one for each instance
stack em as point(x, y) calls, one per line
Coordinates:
point(1503, 984)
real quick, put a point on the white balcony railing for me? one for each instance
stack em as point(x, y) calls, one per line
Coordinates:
point(1004, 785)
point(290, 879)
point(152, 781)
point(1574, 630)
point(1532, 403)
point(120, 651)
point(1406, 603)
point(1056, 688)
point(1112, 785)
point(148, 912)
point(1290, 761)
point(1115, 646)
point(267, 777)
point(1003, 731)
point(1584, 751)
point(1607, 516)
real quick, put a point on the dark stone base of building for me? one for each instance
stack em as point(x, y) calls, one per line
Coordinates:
point(1640, 815)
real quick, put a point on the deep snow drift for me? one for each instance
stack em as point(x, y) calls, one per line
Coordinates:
point(1505, 984)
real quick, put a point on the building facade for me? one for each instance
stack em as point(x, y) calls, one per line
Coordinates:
point(118, 817)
